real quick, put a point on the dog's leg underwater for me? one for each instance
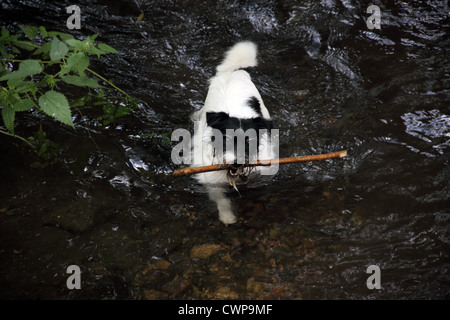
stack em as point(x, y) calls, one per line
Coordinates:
point(217, 194)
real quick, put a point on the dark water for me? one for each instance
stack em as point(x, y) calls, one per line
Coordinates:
point(309, 232)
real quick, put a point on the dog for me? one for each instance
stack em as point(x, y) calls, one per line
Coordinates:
point(234, 128)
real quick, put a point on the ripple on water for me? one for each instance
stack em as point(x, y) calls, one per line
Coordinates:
point(431, 126)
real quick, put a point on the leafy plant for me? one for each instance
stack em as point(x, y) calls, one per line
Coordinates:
point(53, 61)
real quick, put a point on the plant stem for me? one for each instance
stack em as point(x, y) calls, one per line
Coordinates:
point(20, 60)
point(18, 137)
point(109, 82)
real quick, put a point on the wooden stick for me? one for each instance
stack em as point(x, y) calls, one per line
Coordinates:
point(216, 167)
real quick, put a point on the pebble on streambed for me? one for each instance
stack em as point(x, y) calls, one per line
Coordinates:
point(204, 251)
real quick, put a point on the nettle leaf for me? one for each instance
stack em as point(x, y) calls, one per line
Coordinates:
point(55, 104)
point(44, 49)
point(3, 52)
point(77, 62)
point(81, 81)
point(14, 49)
point(113, 112)
point(30, 31)
point(43, 31)
point(63, 36)
point(20, 86)
point(74, 44)
point(7, 98)
point(8, 118)
point(26, 86)
point(23, 105)
point(58, 49)
point(26, 68)
point(4, 35)
point(27, 45)
point(105, 48)
point(94, 50)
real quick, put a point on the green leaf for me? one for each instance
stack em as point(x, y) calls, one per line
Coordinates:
point(94, 50)
point(44, 49)
point(27, 45)
point(58, 49)
point(81, 81)
point(113, 112)
point(77, 62)
point(3, 52)
point(8, 97)
point(12, 83)
point(23, 105)
point(26, 68)
point(81, 101)
point(43, 31)
point(8, 118)
point(30, 31)
point(4, 33)
point(30, 67)
point(15, 50)
point(108, 49)
point(55, 104)
point(63, 36)
point(25, 86)
point(92, 37)
point(74, 44)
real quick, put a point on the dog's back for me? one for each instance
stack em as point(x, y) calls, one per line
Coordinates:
point(231, 87)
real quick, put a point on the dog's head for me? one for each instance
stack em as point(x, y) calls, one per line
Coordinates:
point(236, 141)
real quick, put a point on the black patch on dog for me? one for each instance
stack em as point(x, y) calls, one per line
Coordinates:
point(253, 103)
point(222, 121)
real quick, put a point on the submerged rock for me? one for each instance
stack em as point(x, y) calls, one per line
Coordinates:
point(151, 294)
point(177, 285)
point(225, 293)
point(204, 251)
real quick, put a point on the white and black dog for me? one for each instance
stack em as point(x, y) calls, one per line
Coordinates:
point(233, 117)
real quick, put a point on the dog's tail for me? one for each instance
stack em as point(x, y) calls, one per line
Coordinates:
point(241, 55)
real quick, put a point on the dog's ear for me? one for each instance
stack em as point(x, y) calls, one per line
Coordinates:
point(214, 119)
